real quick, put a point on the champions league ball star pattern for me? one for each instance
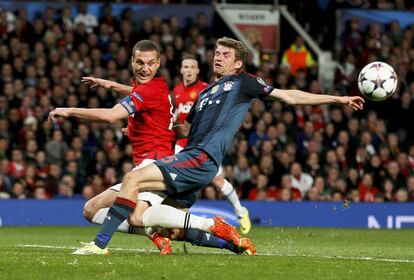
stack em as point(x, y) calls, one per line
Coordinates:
point(377, 81)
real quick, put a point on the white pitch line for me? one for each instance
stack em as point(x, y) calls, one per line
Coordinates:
point(222, 253)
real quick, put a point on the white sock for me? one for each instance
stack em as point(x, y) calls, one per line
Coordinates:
point(230, 193)
point(123, 227)
point(169, 217)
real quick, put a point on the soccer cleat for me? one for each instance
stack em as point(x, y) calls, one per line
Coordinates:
point(163, 244)
point(225, 231)
point(91, 249)
point(247, 247)
point(245, 224)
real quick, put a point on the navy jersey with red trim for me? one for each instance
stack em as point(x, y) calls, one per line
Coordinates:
point(220, 110)
point(150, 121)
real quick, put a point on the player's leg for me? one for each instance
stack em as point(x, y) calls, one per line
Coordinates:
point(194, 236)
point(202, 170)
point(169, 217)
point(96, 210)
point(230, 194)
point(124, 204)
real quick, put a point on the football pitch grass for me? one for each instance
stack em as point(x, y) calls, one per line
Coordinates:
point(283, 253)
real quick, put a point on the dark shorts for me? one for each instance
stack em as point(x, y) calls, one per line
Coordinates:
point(186, 173)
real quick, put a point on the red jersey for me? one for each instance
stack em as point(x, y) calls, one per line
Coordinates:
point(150, 121)
point(185, 96)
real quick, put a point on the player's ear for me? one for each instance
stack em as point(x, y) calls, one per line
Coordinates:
point(132, 60)
point(239, 64)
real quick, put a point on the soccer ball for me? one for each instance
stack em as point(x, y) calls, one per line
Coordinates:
point(377, 81)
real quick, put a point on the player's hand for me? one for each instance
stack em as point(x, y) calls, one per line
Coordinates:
point(59, 113)
point(175, 116)
point(94, 82)
point(355, 102)
point(125, 131)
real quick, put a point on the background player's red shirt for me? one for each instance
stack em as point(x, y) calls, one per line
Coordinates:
point(185, 96)
point(150, 128)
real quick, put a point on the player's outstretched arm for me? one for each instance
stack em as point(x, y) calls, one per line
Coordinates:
point(298, 97)
point(111, 115)
point(92, 82)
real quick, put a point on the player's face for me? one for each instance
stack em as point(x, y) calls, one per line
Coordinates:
point(189, 70)
point(144, 65)
point(225, 62)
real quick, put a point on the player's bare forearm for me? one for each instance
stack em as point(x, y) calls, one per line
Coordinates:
point(93, 115)
point(112, 115)
point(298, 97)
point(124, 90)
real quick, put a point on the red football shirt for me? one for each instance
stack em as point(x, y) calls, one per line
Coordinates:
point(150, 128)
point(185, 96)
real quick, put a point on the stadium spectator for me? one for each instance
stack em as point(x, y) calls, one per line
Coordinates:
point(367, 190)
point(298, 57)
point(84, 18)
point(300, 180)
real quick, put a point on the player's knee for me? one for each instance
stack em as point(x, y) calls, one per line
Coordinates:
point(135, 220)
point(131, 180)
point(218, 182)
point(89, 210)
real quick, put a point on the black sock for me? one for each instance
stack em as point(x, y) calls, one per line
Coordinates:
point(206, 239)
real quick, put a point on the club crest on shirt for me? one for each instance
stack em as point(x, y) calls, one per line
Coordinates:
point(228, 85)
point(193, 95)
point(260, 81)
point(169, 159)
point(215, 89)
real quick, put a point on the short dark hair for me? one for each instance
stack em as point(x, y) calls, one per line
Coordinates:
point(147, 46)
point(240, 49)
point(188, 56)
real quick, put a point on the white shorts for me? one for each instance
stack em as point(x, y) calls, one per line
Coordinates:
point(220, 172)
point(178, 149)
point(155, 198)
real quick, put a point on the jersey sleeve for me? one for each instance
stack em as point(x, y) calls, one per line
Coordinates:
point(142, 99)
point(254, 87)
point(129, 105)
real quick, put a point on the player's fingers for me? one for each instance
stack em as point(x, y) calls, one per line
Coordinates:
point(357, 106)
point(51, 117)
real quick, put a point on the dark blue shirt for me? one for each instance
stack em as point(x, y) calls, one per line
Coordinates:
point(220, 110)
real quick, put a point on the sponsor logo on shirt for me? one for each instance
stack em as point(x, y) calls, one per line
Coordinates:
point(185, 108)
point(202, 104)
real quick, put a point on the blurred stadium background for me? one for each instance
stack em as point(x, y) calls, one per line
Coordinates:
point(323, 166)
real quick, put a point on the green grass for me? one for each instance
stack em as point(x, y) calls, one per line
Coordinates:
point(283, 253)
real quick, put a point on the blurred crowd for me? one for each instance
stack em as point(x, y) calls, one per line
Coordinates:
point(322, 153)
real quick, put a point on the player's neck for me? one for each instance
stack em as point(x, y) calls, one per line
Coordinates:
point(189, 83)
